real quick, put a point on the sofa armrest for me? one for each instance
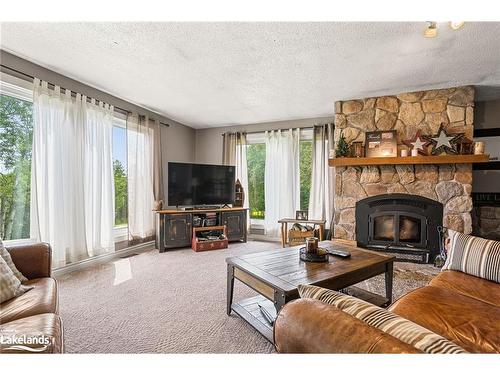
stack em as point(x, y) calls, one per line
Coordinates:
point(311, 326)
point(33, 260)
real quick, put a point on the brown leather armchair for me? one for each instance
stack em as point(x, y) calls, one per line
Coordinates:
point(35, 312)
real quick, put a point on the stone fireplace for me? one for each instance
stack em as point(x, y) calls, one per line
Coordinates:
point(447, 184)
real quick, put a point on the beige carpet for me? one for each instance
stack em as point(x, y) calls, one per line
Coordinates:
point(174, 303)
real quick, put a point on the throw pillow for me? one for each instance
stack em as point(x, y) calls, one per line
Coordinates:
point(10, 286)
point(402, 329)
point(6, 256)
point(475, 256)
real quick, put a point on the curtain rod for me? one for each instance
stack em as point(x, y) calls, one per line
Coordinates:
point(263, 131)
point(127, 112)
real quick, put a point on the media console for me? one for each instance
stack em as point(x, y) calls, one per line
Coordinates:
point(174, 228)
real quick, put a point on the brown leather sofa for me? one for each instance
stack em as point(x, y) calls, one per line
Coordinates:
point(35, 312)
point(462, 308)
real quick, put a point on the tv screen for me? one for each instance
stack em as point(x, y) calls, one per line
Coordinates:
point(200, 184)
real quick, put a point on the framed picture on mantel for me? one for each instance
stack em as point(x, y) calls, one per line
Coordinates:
point(381, 144)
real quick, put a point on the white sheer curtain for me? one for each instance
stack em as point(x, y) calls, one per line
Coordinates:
point(72, 197)
point(241, 164)
point(320, 196)
point(234, 152)
point(282, 182)
point(99, 187)
point(140, 149)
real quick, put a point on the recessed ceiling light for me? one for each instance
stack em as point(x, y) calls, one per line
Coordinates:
point(455, 25)
point(431, 30)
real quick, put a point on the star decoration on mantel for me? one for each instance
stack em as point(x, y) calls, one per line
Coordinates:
point(443, 142)
point(419, 143)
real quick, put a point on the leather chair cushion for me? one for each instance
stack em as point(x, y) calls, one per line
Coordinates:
point(469, 322)
point(39, 300)
point(475, 287)
point(43, 324)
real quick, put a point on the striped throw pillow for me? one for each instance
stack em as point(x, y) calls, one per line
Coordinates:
point(402, 329)
point(474, 256)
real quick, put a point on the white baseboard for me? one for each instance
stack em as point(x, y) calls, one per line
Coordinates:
point(263, 238)
point(102, 258)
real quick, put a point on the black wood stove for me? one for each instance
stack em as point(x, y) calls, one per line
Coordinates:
point(404, 224)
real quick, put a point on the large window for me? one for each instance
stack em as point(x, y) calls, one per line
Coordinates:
point(305, 165)
point(16, 135)
point(120, 171)
point(256, 164)
point(16, 132)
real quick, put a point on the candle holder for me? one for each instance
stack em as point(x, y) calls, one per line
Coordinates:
point(358, 150)
point(312, 245)
point(465, 146)
point(478, 148)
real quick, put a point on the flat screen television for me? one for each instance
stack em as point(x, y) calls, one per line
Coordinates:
point(200, 184)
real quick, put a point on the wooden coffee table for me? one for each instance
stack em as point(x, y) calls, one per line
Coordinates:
point(276, 274)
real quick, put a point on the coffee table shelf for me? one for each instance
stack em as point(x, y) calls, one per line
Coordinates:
point(249, 310)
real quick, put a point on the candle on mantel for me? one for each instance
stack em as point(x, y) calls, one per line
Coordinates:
point(478, 148)
point(414, 152)
point(404, 153)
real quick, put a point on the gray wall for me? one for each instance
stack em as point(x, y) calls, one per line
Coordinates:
point(487, 114)
point(177, 145)
point(208, 143)
point(178, 140)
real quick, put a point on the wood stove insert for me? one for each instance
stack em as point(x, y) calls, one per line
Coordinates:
point(404, 224)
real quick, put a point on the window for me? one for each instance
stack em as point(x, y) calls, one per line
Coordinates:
point(16, 133)
point(256, 164)
point(120, 171)
point(305, 165)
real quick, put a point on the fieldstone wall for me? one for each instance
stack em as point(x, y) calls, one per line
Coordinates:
point(406, 113)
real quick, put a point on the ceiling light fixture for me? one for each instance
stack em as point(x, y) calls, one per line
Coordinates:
point(431, 30)
point(455, 25)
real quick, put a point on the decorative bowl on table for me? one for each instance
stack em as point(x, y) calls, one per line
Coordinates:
point(321, 256)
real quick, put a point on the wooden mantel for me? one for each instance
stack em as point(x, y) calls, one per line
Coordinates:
point(442, 159)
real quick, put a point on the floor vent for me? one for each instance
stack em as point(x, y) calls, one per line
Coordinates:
point(259, 231)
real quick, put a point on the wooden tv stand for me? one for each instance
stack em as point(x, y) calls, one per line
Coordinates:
point(174, 228)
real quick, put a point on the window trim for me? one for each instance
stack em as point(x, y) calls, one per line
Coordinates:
point(16, 88)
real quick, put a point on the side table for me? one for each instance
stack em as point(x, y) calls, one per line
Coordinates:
point(284, 228)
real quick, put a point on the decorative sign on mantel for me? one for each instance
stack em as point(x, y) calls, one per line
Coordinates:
point(381, 144)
